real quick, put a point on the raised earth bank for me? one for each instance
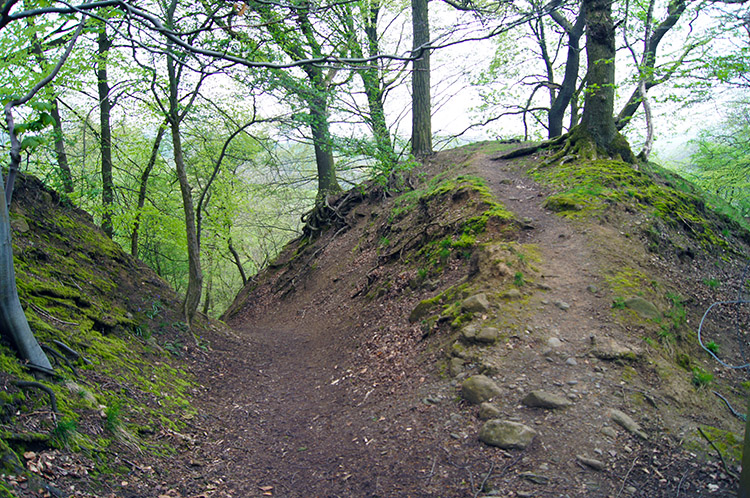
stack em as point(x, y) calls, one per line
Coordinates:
point(475, 327)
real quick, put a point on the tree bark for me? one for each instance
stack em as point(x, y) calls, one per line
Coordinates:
point(237, 261)
point(13, 323)
point(195, 274)
point(373, 84)
point(327, 183)
point(105, 110)
point(421, 109)
point(62, 157)
point(143, 188)
point(570, 80)
point(599, 100)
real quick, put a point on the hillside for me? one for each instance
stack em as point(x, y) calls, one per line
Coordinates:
point(113, 331)
point(472, 292)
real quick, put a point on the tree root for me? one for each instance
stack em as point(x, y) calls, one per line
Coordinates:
point(71, 352)
point(22, 384)
point(532, 149)
point(329, 212)
point(59, 356)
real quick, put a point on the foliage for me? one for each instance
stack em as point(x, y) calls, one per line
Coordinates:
point(721, 163)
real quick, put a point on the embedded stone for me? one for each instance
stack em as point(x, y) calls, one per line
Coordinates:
point(506, 434)
point(479, 388)
point(477, 303)
point(644, 308)
point(541, 399)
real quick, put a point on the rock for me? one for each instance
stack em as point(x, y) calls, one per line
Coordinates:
point(591, 462)
point(473, 334)
point(479, 388)
point(592, 289)
point(609, 431)
point(554, 342)
point(612, 350)
point(644, 308)
point(512, 294)
point(541, 399)
point(562, 305)
point(20, 225)
point(627, 423)
point(535, 478)
point(455, 366)
point(422, 310)
point(488, 411)
point(506, 435)
point(477, 303)
point(571, 361)
point(487, 335)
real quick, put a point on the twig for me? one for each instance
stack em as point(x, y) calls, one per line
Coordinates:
point(679, 486)
point(44, 314)
point(721, 457)
point(484, 481)
point(625, 479)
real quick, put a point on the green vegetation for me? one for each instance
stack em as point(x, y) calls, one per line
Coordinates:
point(701, 378)
point(591, 188)
point(713, 347)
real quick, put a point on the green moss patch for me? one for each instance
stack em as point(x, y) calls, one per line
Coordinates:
point(586, 189)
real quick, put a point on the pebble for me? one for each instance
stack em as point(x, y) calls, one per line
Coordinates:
point(609, 431)
point(572, 382)
point(554, 342)
point(562, 305)
point(571, 361)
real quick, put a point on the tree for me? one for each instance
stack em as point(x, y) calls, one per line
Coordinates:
point(421, 128)
point(599, 101)
point(105, 110)
point(13, 322)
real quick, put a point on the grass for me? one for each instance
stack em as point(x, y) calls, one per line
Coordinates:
point(701, 378)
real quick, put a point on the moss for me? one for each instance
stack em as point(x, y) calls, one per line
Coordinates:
point(588, 188)
point(727, 442)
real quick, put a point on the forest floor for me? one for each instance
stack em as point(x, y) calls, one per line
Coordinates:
point(321, 394)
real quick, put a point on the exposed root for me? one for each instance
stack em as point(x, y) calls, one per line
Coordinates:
point(36, 385)
point(331, 211)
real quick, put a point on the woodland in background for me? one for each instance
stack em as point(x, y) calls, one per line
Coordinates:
point(200, 133)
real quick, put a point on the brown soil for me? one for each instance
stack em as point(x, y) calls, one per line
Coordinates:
point(323, 388)
point(325, 393)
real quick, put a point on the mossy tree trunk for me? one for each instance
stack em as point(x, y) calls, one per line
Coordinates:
point(599, 101)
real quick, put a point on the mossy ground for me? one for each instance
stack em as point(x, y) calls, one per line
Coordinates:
point(79, 289)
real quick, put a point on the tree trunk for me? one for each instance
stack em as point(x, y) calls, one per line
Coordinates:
point(62, 158)
point(598, 107)
point(237, 261)
point(570, 80)
point(105, 110)
point(421, 110)
point(142, 190)
point(13, 323)
point(195, 274)
point(372, 81)
point(327, 183)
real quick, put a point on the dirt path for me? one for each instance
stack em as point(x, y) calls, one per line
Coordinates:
point(290, 408)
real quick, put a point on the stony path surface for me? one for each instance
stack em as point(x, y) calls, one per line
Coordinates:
point(290, 408)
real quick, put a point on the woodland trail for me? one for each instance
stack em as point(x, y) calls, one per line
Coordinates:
point(290, 409)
